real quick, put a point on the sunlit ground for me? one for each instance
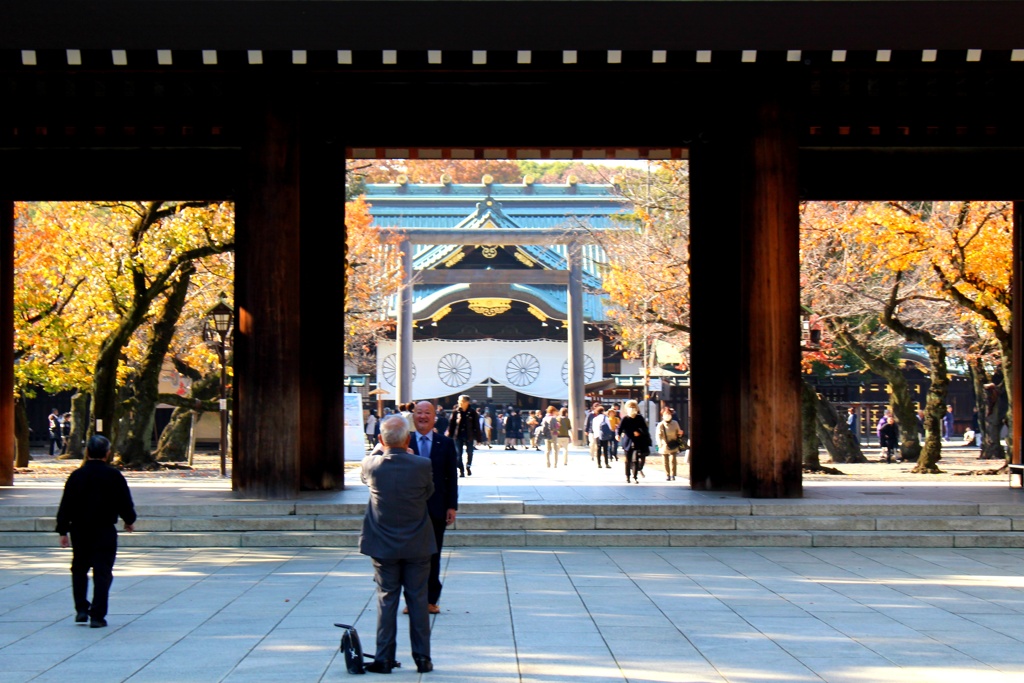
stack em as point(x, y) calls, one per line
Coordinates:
point(586, 615)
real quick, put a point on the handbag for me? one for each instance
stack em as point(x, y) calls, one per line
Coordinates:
point(673, 444)
point(625, 442)
point(352, 649)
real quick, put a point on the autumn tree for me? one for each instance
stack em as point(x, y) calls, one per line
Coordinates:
point(647, 274)
point(135, 264)
point(373, 274)
point(848, 288)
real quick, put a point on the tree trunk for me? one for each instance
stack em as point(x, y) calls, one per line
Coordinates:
point(935, 403)
point(79, 425)
point(136, 452)
point(809, 427)
point(21, 433)
point(835, 434)
point(934, 409)
point(997, 414)
point(175, 440)
point(900, 398)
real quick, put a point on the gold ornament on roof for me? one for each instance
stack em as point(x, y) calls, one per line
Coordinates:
point(455, 258)
point(440, 314)
point(536, 313)
point(523, 258)
point(489, 252)
point(490, 307)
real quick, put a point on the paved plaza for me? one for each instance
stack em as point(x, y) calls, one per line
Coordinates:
point(533, 615)
point(513, 616)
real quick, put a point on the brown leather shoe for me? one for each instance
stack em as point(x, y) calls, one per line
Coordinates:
point(405, 610)
point(433, 609)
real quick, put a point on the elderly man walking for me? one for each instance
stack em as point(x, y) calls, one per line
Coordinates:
point(398, 536)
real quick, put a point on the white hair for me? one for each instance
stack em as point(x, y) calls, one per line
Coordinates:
point(394, 431)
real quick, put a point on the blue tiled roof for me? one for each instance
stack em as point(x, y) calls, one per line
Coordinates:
point(509, 207)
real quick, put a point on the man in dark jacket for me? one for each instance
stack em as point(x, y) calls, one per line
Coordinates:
point(95, 495)
point(464, 429)
point(445, 500)
point(397, 535)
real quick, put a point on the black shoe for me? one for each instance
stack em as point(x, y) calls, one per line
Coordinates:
point(461, 473)
point(97, 622)
point(81, 617)
point(469, 471)
point(423, 664)
point(382, 667)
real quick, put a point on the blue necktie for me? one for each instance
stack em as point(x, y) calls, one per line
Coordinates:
point(425, 446)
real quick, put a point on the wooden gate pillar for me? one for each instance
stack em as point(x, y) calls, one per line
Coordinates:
point(745, 278)
point(322, 248)
point(267, 424)
point(715, 341)
point(6, 342)
point(1013, 374)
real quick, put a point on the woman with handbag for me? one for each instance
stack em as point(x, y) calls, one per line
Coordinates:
point(671, 441)
point(635, 439)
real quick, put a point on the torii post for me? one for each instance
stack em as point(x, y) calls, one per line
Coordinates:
point(571, 278)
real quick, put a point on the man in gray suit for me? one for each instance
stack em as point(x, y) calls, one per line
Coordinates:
point(398, 536)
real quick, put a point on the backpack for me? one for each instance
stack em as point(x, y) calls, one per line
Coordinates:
point(606, 430)
point(549, 427)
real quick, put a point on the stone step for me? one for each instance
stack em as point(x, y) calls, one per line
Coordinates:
point(524, 523)
point(540, 522)
point(549, 538)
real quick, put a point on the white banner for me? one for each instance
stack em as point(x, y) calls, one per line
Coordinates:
point(355, 436)
point(536, 367)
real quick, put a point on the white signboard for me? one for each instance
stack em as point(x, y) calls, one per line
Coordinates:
point(655, 384)
point(355, 437)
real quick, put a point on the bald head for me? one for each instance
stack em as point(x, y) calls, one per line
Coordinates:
point(424, 416)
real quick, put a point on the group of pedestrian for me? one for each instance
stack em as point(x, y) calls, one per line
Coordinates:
point(59, 428)
point(608, 431)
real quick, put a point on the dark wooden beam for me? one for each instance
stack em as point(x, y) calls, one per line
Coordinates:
point(770, 315)
point(523, 276)
point(716, 341)
point(744, 284)
point(322, 284)
point(83, 174)
point(6, 342)
point(447, 25)
point(1013, 374)
point(268, 348)
point(910, 173)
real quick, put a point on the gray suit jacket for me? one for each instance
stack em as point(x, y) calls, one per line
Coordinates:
point(396, 525)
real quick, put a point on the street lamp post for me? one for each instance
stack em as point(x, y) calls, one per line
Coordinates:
point(217, 332)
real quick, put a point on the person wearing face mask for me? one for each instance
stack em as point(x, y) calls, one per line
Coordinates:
point(671, 441)
point(635, 439)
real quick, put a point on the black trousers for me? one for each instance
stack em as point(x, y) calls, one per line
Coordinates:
point(394, 577)
point(98, 555)
point(467, 446)
point(434, 584)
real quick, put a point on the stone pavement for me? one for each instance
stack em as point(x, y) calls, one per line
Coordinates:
point(524, 616)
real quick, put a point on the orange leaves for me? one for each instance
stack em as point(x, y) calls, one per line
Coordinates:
point(372, 276)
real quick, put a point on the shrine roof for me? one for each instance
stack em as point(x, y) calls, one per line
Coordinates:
point(528, 206)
